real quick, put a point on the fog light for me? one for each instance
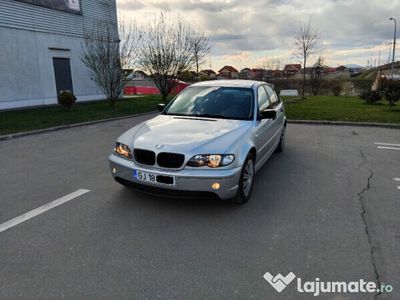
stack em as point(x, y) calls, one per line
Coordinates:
point(215, 186)
point(114, 170)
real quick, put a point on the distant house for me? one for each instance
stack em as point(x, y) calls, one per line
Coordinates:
point(329, 70)
point(254, 74)
point(341, 72)
point(228, 72)
point(386, 70)
point(245, 73)
point(292, 69)
point(259, 74)
point(208, 73)
point(354, 69)
point(276, 74)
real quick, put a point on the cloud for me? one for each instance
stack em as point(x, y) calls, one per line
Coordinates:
point(130, 5)
point(238, 58)
point(268, 27)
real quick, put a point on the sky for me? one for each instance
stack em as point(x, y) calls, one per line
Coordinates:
point(250, 33)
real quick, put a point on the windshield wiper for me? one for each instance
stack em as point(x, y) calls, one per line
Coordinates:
point(172, 114)
point(196, 115)
point(211, 116)
point(214, 116)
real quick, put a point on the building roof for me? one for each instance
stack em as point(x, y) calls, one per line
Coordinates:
point(292, 67)
point(258, 70)
point(207, 71)
point(229, 68)
point(341, 68)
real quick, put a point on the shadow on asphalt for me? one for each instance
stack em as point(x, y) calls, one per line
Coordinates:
point(133, 198)
point(272, 174)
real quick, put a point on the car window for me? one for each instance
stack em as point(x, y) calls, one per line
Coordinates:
point(272, 96)
point(263, 99)
point(213, 102)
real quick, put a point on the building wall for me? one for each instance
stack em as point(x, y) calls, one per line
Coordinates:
point(27, 32)
point(30, 17)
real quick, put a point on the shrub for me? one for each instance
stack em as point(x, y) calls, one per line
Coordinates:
point(370, 96)
point(390, 90)
point(337, 89)
point(362, 84)
point(67, 99)
point(203, 78)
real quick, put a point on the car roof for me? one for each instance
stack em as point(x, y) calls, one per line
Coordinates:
point(230, 83)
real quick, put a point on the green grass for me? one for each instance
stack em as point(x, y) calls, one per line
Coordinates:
point(50, 116)
point(333, 108)
point(313, 108)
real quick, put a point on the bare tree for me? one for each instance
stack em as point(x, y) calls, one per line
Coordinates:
point(305, 45)
point(271, 63)
point(200, 48)
point(107, 54)
point(165, 51)
point(316, 75)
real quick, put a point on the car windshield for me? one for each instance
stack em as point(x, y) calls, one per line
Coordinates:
point(213, 102)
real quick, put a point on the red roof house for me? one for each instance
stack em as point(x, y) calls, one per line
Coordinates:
point(228, 72)
point(292, 69)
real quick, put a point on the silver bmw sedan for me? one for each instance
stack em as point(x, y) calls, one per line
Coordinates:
point(209, 140)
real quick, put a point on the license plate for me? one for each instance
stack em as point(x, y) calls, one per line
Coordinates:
point(152, 178)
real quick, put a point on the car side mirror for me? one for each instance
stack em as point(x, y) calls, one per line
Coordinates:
point(268, 114)
point(161, 106)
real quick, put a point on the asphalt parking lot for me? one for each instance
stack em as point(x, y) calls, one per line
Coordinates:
point(328, 207)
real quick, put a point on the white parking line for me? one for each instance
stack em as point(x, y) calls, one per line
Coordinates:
point(388, 148)
point(396, 179)
point(386, 144)
point(41, 209)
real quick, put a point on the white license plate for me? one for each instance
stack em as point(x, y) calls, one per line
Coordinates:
point(149, 177)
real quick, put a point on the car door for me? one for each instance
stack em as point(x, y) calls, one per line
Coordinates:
point(277, 105)
point(264, 130)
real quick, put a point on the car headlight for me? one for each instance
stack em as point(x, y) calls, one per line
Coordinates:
point(123, 150)
point(211, 160)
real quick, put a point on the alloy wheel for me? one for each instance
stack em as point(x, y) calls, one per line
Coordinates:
point(248, 177)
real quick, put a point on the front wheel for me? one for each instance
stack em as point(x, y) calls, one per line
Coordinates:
point(246, 181)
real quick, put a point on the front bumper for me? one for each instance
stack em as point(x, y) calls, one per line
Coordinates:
point(190, 180)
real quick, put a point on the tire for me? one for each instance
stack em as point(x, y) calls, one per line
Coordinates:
point(281, 144)
point(246, 181)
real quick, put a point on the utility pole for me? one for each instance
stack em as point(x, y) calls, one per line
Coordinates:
point(394, 44)
point(379, 58)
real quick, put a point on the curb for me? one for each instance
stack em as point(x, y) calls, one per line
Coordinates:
point(343, 123)
point(306, 122)
point(61, 127)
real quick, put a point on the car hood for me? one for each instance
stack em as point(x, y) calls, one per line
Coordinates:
point(188, 135)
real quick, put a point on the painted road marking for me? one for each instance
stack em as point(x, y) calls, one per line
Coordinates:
point(41, 209)
point(389, 148)
point(387, 144)
point(396, 179)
